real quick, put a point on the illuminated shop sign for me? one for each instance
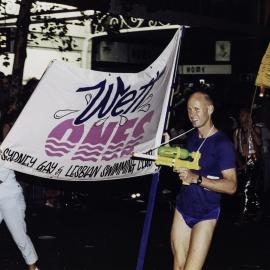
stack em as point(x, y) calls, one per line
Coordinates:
point(204, 69)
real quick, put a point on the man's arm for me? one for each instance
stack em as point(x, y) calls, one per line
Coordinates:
point(256, 135)
point(228, 184)
point(239, 160)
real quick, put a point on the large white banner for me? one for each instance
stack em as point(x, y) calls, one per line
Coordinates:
point(83, 125)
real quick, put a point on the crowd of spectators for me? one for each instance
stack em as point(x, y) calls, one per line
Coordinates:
point(11, 106)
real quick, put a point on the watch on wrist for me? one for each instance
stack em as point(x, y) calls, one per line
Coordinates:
point(199, 180)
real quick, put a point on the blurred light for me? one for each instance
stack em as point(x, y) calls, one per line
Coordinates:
point(46, 237)
point(135, 195)
point(166, 191)
point(262, 91)
point(202, 81)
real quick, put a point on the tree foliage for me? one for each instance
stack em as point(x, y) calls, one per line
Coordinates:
point(44, 27)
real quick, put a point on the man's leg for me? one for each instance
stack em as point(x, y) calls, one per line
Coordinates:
point(201, 237)
point(13, 210)
point(180, 237)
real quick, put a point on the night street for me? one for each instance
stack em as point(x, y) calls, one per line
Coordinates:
point(102, 230)
point(110, 109)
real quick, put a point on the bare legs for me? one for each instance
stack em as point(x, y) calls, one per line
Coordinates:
point(190, 245)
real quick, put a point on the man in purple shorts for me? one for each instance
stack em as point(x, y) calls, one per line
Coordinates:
point(198, 203)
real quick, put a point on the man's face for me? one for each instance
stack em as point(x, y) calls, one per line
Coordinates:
point(199, 110)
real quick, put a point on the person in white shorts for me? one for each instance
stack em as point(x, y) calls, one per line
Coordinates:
point(12, 211)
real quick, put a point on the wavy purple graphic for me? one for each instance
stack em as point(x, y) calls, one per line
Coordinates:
point(90, 147)
point(96, 142)
point(84, 159)
point(55, 148)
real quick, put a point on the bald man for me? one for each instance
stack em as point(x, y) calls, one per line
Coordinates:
point(198, 204)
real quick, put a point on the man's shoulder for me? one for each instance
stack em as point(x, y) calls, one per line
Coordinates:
point(222, 138)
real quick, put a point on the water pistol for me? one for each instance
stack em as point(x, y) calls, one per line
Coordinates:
point(174, 157)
